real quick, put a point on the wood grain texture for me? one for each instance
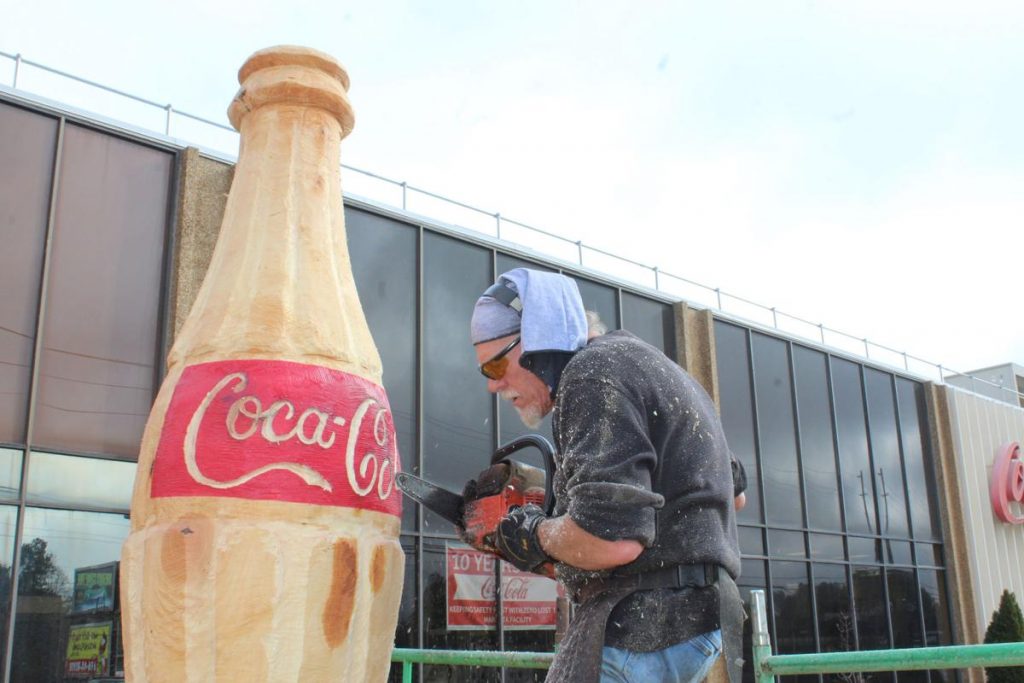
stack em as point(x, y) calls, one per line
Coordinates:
point(232, 589)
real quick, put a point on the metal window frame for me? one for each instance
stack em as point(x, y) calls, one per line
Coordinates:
point(65, 117)
point(883, 564)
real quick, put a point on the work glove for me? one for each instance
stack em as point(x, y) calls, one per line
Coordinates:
point(516, 538)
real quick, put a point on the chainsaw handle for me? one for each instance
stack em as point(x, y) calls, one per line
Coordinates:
point(547, 452)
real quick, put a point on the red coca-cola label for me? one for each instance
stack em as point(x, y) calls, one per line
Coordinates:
point(276, 430)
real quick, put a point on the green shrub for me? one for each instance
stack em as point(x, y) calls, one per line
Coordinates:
point(1007, 626)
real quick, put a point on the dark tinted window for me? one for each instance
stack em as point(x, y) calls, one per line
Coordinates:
point(601, 299)
point(100, 333)
point(869, 598)
point(904, 608)
point(738, 409)
point(27, 143)
point(406, 632)
point(786, 544)
point(458, 424)
point(824, 547)
point(935, 608)
point(752, 577)
point(794, 631)
point(853, 447)
point(781, 473)
point(864, 549)
point(751, 540)
point(853, 424)
point(924, 506)
point(836, 628)
point(651, 321)
point(885, 453)
point(385, 265)
point(817, 451)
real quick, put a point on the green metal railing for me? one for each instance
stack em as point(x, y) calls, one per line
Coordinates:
point(767, 666)
point(511, 660)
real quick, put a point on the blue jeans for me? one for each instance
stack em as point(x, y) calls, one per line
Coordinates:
point(686, 662)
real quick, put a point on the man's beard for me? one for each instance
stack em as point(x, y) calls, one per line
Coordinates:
point(531, 415)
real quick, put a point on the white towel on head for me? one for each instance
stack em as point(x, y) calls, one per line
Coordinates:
point(553, 315)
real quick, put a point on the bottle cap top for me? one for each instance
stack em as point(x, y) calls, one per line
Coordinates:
point(288, 74)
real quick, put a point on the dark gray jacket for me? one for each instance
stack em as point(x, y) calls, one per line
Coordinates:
point(642, 455)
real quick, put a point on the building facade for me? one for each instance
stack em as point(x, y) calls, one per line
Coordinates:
point(863, 519)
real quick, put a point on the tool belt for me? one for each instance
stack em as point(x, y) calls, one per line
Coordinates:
point(676, 576)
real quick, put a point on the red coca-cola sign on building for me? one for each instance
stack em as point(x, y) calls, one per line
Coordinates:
point(1007, 488)
point(277, 430)
point(528, 600)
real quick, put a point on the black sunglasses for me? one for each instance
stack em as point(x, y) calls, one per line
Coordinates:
point(496, 367)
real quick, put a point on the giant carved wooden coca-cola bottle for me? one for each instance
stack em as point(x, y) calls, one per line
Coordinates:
point(265, 522)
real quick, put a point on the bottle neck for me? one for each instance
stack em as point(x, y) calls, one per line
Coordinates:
point(280, 283)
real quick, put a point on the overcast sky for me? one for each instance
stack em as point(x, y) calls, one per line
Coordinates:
point(858, 164)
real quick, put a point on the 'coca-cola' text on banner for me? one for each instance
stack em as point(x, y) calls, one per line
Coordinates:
point(277, 430)
point(528, 600)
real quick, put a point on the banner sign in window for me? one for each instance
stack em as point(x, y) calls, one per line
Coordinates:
point(88, 654)
point(528, 600)
point(95, 588)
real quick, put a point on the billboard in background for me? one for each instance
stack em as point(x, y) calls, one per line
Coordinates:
point(528, 600)
point(95, 588)
point(88, 653)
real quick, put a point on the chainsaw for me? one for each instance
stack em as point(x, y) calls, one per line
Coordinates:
point(486, 500)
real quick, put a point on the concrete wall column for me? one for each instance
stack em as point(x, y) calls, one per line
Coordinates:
point(202, 194)
point(966, 628)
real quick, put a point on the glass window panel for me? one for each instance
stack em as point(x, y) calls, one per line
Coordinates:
point(406, 630)
point(10, 472)
point(817, 450)
point(776, 437)
point(896, 552)
point(786, 544)
point(533, 640)
point(864, 549)
point(752, 576)
point(458, 427)
point(70, 480)
point(385, 264)
point(511, 425)
point(869, 600)
point(935, 607)
point(751, 540)
point(791, 604)
point(27, 143)
point(904, 608)
point(921, 485)
point(435, 627)
point(56, 543)
point(853, 447)
point(929, 554)
point(601, 299)
point(827, 547)
point(652, 321)
point(737, 407)
point(885, 454)
point(8, 523)
point(101, 327)
point(835, 618)
point(936, 617)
